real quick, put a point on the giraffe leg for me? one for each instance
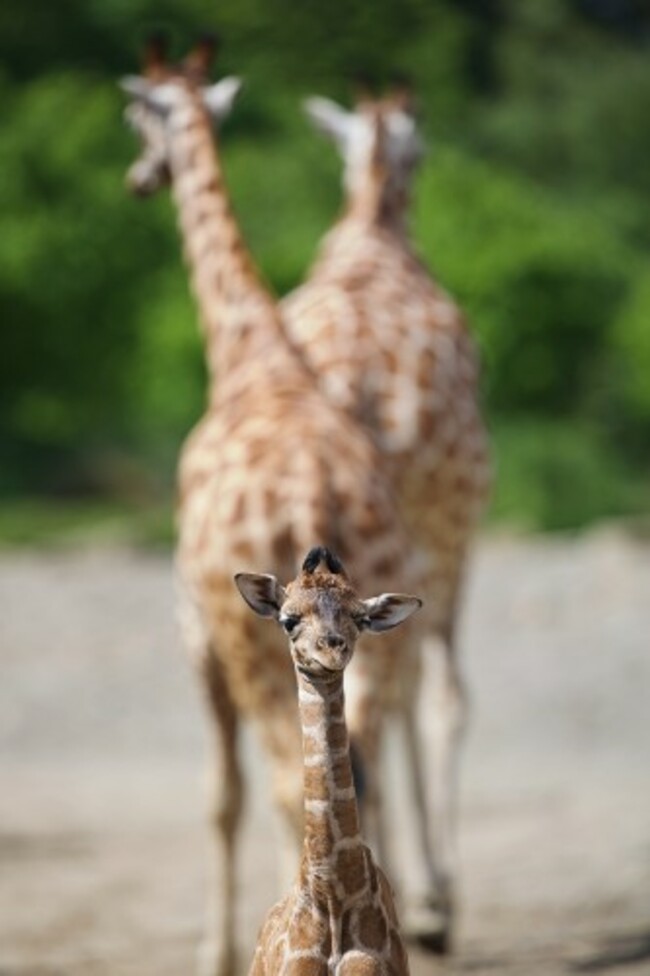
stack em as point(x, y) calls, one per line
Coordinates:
point(372, 809)
point(364, 718)
point(217, 953)
point(430, 920)
point(283, 745)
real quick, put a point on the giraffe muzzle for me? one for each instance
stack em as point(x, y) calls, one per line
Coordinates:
point(142, 180)
point(332, 653)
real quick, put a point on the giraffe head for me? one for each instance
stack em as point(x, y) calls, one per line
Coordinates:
point(378, 140)
point(163, 93)
point(321, 612)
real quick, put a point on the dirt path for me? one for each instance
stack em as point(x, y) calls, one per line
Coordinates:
point(102, 844)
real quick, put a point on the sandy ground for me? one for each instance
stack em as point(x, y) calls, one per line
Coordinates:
point(102, 843)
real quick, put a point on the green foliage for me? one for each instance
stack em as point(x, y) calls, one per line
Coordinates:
point(532, 208)
point(542, 282)
point(556, 475)
point(165, 378)
point(69, 263)
point(43, 523)
point(629, 366)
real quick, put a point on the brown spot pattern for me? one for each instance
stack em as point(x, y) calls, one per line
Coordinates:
point(345, 815)
point(305, 966)
point(341, 773)
point(350, 869)
point(337, 736)
point(319, 835)
point(316, 787)
point(306, 929)
point(360, 966)
point(373, 930)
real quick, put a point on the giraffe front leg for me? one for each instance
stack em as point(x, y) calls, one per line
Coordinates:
point(217, 953)
point(282, 742)
point(430, 918)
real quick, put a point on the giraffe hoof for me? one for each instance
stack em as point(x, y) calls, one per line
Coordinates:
point(428, 925)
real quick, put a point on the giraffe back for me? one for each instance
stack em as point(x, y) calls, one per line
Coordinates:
point(391, 347)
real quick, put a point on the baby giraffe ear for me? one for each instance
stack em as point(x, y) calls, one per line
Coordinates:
point(388, 610)
point(262, 593)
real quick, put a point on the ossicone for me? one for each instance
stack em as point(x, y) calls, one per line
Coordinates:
point(321, 554)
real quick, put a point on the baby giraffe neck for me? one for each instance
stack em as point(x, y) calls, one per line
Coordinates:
point(332, 841)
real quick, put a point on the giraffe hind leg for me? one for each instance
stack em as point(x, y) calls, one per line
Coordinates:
point(217, 954)
point(429, 920)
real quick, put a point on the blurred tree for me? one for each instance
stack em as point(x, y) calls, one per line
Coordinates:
point(533, 206)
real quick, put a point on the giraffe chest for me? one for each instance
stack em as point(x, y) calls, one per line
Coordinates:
point(310, 938)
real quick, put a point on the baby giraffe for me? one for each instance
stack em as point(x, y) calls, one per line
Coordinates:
point(339, 917)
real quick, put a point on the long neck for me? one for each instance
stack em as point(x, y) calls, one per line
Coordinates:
point(238, 314)
point(379, 199)
point(332, 845)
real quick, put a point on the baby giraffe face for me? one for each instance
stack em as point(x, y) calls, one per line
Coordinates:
point(321, 613)
point(323, 618)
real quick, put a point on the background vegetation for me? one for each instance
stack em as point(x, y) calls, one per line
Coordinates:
point(533, 208)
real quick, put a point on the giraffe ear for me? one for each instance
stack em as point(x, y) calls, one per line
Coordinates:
point(388, 610)
point(329, 118)
point(135, 86)
point(220, 97)
point(262, 593)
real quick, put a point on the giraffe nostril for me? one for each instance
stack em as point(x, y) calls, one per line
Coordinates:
point(334, 640)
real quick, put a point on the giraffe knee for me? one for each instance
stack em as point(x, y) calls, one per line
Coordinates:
point(227, 807)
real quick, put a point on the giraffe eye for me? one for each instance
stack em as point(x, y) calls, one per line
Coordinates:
point(362, 621)
point(289, 623)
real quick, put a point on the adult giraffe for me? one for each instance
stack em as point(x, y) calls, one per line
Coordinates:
point(271, 468)
point(391, 347)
